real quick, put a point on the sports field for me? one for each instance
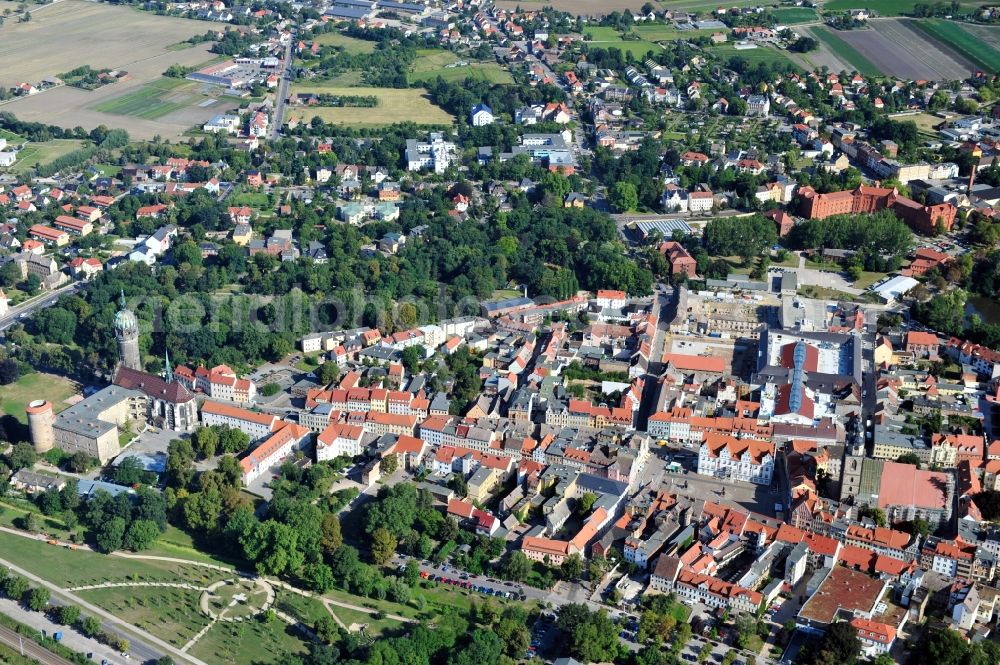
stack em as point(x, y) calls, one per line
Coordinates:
point(151, 101)
point(846, 52)
point(432, 63)
point(394, 105)
point(968, 45)
point(71, 33)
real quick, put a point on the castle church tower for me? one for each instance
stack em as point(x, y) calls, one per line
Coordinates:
point(127, 335)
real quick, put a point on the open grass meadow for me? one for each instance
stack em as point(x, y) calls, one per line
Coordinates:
point(661, 32)
point(766, 54)
point(167, 612)
point(250, 642)
point(433, 63)
point(394, 105)
point(15, 397)
point(74, 568)
point(12, 138)
point(883, 7)
point(349, 44)
point(954, 36)
point(846, 52)
point(608, 37)
point(148, 102)
point(795, 15)
point(43, 153)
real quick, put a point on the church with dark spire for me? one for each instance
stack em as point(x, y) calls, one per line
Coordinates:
point(167, 404)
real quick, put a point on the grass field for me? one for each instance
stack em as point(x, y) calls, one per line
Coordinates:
point(964, 42)
point(43, 153)
point(15, 396)
point(846, 52)
point(794, 15)
point(249, 642)
point(70, 568)
point(394, 105)
point(753, 56)
point(432, 63)
point(867, 279)
point(666, 33)
point(148, 102)
point(349, 44)
point(608, 37)
point(167, 612)
point(11, 137)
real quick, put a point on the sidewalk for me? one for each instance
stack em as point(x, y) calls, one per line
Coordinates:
point(71, 638)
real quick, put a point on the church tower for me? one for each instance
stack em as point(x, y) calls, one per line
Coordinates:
point(127, 335)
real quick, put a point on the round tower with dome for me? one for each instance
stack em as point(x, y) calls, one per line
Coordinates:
point(127, 334)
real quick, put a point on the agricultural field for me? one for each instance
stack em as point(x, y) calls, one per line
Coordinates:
point(102, 36)
point(795, 15)
point(151, 101)
point(845, 52)
point(394, 105)
point(432, 63)
point(37, 385)
point(954, 36)
point(897, 48)
point(349, 44)
point(987, 33)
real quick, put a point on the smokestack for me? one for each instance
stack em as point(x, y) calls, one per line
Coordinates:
point(972, 179)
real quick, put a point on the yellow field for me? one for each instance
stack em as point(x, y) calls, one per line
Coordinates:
point(395, 105)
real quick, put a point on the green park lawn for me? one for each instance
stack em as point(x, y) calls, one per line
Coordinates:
point(395, 105)
point(433, 63)
point(259, 642)
point(43, 153)
point(73, 568)
point(753, 56)
point(36, 385)
point(169, 613)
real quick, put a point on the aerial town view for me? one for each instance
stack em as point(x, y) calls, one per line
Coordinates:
point(499, 332)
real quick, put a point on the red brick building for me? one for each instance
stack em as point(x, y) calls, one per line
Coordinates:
point(680, 260)
point(921, 218)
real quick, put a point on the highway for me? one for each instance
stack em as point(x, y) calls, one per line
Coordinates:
point(29, 648)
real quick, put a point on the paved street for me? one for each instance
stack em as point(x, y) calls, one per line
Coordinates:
point(39, 302)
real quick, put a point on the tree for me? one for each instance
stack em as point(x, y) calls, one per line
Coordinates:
point(839, 646)
point(411, 359)
point(22, 456)
point(15, 586)
point(383, 546)
point(38, 599)
point(234, 441)
point(328, 373)
point(517, 567)
point(91, 626)
point(31, 522)
point(326, 629)
point(206, 441)
point(67, 615)
point(624, 196)
point(10, 371)
point(141, 534)
point(590, 636)
point(596, 568)
point(388, 465)
point(318, 577)
point(585, 503)
point(484, 647)
point(909, 458)
point(572, 566)
point(111, 534)
point(331, 538)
